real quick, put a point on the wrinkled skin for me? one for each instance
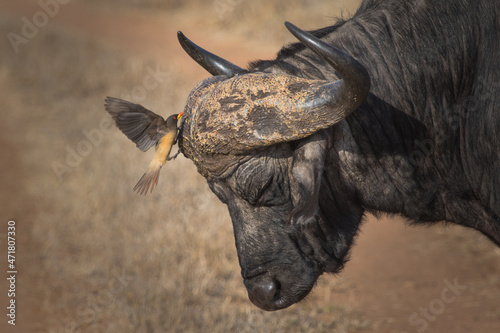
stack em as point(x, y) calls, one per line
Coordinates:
point(414, 146)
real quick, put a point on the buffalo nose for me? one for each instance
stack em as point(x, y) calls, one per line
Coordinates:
point(264, 292)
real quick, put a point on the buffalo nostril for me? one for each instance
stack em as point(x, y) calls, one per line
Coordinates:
point(264, 291)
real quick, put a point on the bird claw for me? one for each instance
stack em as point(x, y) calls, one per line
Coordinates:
point(173, 157)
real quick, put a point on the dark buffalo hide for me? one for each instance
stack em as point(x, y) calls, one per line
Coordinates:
point(394, 110)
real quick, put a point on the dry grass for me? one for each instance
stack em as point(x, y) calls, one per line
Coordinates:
point(109, 260)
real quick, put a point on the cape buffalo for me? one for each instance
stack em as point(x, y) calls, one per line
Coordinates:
point(393, 110)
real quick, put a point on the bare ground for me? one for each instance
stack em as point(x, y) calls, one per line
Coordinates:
point(397, 281)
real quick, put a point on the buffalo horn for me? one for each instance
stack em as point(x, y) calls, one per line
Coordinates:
point(215, 65)
point(246, 112)
point(355, 83)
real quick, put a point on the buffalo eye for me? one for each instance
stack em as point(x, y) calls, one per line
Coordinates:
point(260, 184)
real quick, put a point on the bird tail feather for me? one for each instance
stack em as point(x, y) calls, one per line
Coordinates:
point(150, 179)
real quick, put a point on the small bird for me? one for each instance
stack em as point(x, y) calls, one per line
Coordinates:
point(145, 128)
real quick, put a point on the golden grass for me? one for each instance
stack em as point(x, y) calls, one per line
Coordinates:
point(109, 260)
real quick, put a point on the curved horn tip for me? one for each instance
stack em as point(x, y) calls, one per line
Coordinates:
point(306, 38)
point(352, 72)
point(214, 64)
point(296, 31)
point(290, 26)
point(181, 37)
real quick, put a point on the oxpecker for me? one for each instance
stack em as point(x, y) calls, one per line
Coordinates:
point(145, 128)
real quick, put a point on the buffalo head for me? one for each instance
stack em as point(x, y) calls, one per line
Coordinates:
point(262, 141)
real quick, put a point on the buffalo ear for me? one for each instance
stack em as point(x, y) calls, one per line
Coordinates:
point(305, 177)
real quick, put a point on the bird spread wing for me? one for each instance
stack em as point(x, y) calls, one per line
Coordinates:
point(140, 125)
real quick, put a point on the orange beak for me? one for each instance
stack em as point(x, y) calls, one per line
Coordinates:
point(180, 115)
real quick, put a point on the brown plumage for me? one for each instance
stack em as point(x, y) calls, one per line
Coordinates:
point(145, 128)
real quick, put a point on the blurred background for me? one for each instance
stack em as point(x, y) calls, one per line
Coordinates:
point(93, 256)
